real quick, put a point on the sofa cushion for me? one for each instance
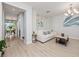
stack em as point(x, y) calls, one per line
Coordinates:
point(40, 32)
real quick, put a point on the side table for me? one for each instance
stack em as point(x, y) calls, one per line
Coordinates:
point(34, 38)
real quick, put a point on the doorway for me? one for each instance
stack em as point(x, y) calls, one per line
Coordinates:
point(13, 22)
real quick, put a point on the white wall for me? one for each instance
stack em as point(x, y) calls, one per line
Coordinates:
point(27, 19)
point(72, 31)
point(20, 25)
point(17, 28)
point(47, 21)
point(1, 31)
point(34, 16)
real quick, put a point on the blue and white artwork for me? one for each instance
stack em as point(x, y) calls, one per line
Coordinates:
point(71, 20)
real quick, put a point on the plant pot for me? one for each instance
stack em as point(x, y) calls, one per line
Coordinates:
point(0, 53)
point(3, 51)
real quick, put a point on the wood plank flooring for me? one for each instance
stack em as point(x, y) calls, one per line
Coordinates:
point(16, 48)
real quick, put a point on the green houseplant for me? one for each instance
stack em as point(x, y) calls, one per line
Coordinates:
point(2, 46)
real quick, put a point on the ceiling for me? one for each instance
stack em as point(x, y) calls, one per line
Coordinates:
point(55, 8)
point(42, 8)
point(11, 11)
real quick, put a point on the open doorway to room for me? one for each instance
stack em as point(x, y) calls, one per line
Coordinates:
point(13, 22)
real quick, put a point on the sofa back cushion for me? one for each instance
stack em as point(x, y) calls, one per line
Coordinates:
point(44, 32)
point(40, 32)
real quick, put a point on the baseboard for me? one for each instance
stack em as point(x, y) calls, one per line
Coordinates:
point(74, 38)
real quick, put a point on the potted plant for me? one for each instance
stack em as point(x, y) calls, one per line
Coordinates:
point(2, 47)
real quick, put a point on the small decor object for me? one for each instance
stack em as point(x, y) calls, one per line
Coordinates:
point(2, 47)
point(62, 34)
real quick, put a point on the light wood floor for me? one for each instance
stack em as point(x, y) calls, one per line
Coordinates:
point(16, 48)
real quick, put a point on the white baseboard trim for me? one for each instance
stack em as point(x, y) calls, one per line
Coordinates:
point(75, 38)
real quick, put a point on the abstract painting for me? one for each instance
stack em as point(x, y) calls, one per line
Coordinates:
point(71, 20)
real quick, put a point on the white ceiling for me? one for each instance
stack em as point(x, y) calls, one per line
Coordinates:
point(54, 7)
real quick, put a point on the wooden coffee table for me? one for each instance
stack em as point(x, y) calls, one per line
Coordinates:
point(62, 40)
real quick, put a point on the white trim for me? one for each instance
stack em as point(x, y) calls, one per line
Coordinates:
point(75, 38)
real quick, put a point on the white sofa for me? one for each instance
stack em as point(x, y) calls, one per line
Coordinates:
point(44, 36)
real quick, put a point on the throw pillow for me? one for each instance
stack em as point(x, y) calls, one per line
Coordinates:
point(45, 33)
